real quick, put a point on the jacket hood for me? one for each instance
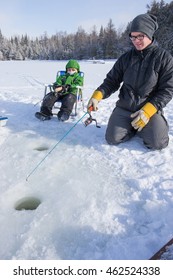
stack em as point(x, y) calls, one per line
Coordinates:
point(73, 64)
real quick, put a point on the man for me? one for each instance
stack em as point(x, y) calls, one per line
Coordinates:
point(146, 74)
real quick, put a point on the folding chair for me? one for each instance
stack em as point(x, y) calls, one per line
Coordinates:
point(79, 97)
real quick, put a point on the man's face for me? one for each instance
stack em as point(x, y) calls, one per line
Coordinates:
point(140, 40)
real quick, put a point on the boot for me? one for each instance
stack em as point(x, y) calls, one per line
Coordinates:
point(63, 116)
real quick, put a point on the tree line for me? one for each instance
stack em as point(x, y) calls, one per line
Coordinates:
point(106, 44)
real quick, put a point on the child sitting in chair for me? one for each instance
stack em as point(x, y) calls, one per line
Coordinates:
point(64, 91)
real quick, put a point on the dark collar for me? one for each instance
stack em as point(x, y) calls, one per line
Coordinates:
point(145, 51)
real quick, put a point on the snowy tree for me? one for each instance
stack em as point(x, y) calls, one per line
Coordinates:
point(81, 41)
point(110, 40)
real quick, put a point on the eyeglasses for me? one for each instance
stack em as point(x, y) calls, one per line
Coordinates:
point(140, 37)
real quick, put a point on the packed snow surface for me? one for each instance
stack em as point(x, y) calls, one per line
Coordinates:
point(97, 201)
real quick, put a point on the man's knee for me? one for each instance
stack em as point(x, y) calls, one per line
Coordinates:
point(115, 137)
point(157, 144)
point(112, 140)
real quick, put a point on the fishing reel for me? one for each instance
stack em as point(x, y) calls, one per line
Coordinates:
point(90, 119)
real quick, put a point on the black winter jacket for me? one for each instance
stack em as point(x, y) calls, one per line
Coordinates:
point(147, 76)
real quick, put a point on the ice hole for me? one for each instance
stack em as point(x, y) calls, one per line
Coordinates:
point(41, 148)
point(27, 203)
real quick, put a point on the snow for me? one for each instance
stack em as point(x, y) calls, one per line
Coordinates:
point(97, 201)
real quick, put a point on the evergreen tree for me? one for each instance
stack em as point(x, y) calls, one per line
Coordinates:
point(164, 13)
point(110, 40)
point(101, 47)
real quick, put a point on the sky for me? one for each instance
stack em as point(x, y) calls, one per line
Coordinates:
point(35, 17)
point(98, 201)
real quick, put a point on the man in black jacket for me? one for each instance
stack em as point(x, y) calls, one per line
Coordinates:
point(146, 74)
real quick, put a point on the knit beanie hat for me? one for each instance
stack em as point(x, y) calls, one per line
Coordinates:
point(73, 64)
point(145, 23)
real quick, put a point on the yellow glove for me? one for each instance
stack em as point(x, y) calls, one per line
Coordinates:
point(94, 100)
point(143, 116)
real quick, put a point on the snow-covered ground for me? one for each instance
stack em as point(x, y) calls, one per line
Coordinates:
point(97, 201)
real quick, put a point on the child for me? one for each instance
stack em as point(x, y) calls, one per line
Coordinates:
point(65, 91)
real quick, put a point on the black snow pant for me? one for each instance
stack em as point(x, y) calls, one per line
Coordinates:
point(154, 134)
point(67, 103)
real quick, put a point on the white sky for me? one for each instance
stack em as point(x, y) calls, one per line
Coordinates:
point(34, 17)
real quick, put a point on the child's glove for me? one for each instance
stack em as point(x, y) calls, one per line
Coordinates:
point(65, 88)
point(143, 116)
point(94, 100)
point(57, 87)
point(61, 89)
